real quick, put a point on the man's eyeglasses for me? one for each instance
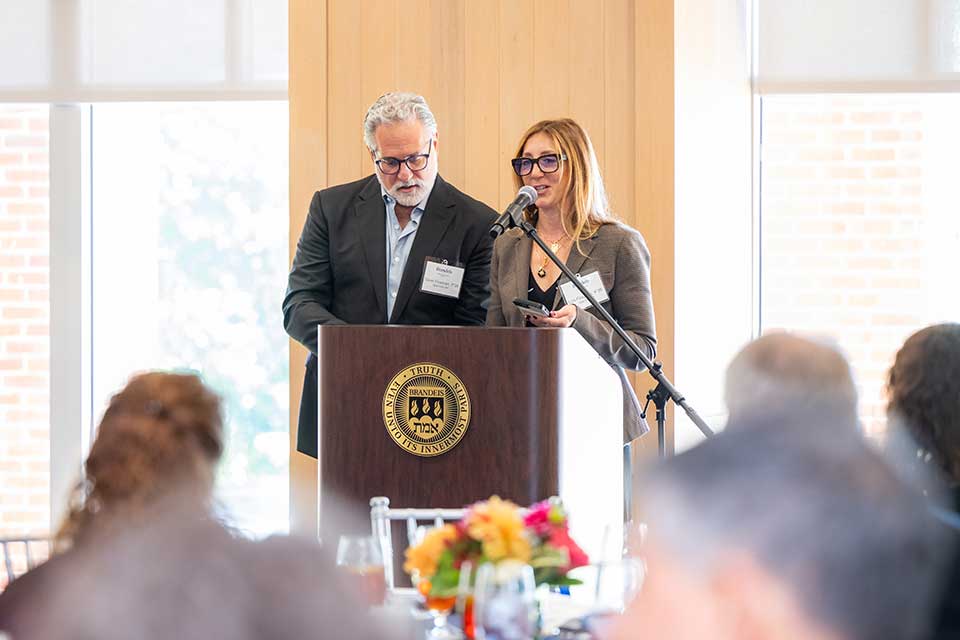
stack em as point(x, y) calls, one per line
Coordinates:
point(417, 162)
point(548, 163)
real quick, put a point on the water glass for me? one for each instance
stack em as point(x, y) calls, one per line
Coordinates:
point(361, 560)
point(617, 584)
point(505, 606)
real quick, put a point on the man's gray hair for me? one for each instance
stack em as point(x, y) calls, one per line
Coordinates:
point(826, 517)
point(779, 369)
point(396, 106)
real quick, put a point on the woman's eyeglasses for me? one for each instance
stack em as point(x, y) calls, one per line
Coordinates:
point(548, 163)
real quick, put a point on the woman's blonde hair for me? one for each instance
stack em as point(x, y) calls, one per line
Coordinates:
point(584, 207)
point(162, 433)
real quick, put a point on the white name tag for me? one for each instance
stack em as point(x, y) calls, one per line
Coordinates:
point(593, 283)
point(441, 278)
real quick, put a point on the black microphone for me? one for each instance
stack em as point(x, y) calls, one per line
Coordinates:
point(525, 197)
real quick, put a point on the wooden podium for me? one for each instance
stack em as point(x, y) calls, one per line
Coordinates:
point(545, 419)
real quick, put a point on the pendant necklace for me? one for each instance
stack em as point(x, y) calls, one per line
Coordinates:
point(554, 247)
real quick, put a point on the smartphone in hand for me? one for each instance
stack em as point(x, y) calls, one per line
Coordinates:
point(531, 308)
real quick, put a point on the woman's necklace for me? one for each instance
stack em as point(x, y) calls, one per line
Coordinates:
point(554, 247)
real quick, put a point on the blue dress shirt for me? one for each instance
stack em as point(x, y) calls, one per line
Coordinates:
point(399, 242)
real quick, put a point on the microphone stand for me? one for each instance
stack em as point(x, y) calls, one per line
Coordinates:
point(664, 391)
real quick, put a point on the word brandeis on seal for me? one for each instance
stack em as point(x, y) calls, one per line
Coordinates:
point(426, 409)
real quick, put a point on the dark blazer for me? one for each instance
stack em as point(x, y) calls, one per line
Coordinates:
point(339, 273)
point(621, 257)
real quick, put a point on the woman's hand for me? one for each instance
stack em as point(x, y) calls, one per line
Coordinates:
point(562, 317)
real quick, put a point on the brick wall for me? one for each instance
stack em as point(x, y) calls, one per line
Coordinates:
point(24, 321)
point(845, 233)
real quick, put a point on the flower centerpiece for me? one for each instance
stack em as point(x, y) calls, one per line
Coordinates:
point(497, 531)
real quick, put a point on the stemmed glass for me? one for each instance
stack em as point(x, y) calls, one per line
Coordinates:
point(361, 560)
point(439, 607)
point(617, 584)
point(505, 606)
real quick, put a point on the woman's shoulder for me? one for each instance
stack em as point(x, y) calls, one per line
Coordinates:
point(618, 233)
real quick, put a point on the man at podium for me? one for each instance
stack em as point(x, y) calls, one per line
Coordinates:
point(401, 246)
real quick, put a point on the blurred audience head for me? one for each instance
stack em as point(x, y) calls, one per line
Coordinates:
point(162, 434)
point(763, 532)
point(923, 388)
point(781, 370)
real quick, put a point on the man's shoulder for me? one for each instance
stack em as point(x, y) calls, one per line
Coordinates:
point(341, 194)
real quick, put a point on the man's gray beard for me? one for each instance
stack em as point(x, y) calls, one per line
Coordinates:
point(411, 199)
point(405, 199)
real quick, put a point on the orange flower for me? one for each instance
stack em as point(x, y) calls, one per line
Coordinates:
point(423, 557)
point(499, 527)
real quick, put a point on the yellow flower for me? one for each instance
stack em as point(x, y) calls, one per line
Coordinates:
point(423, 557)
point(498, 526)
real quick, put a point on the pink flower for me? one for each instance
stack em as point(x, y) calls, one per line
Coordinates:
point(560, 539)
point(544, 517)
point(537, 519)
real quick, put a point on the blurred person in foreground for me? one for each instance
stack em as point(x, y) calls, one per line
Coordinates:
point(923, 400)
point(161, 435)
point(140, 555)
point(177, 576)
point(783, 371)
point(767, 532)
point(923, 413)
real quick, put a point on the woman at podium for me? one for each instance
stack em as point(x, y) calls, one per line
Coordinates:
point(571, 214)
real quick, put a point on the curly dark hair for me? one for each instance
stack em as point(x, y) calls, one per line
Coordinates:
point(163, 432)
point(923, 389)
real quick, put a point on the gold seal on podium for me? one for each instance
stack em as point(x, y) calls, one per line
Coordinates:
point(426, 409)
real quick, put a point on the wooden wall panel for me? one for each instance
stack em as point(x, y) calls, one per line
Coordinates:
point(618, 126)
point(551, 58)
point(516, 85)
point(345, 106)
point(447, 82)
point(490, 69)
point(481, 148)
point(585, 62)
point(417, 22)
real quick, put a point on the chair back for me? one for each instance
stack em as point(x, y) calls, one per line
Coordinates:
point(382, 516)
point(21, 554)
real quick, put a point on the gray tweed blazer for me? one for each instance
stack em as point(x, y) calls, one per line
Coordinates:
point(620, 255)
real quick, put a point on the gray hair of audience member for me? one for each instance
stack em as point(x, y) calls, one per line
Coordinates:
point(396, 106)
point(784, 369)
point(827, 517)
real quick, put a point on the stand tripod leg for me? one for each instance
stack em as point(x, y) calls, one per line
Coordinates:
point(659, 396)
point(661, 432)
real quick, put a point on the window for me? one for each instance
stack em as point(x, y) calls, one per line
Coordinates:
point(24, 322)
point(189, 261)
point(860, 237)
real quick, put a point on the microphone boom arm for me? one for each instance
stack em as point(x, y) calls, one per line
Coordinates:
point(664, 390)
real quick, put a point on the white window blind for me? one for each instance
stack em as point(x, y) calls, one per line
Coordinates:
point(857, 45)
point(103, 50)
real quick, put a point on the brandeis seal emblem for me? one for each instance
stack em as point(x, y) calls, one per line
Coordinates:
point(426, 409)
